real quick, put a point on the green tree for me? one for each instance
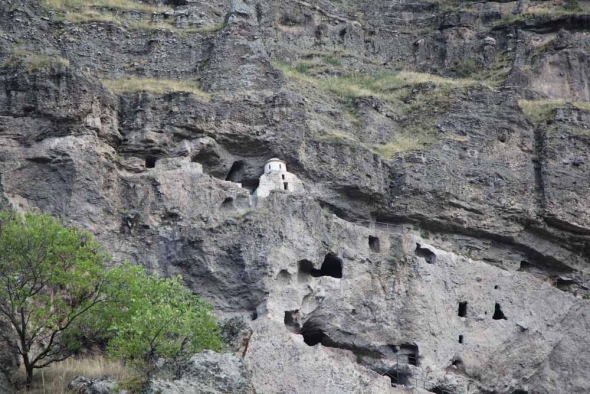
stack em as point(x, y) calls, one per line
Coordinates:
point(156, 318)
point(50, 277)
point(55, 293)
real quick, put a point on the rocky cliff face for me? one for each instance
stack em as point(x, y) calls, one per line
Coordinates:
point(442, 235)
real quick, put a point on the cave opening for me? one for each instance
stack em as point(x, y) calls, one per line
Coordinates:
point(374, 244)
point(498, 314)
point(305, 267)
point(236, 172)
point(524, 266)
point(461, 339)
point(397, 377)
point(425, 253)
point(462, 309)
point(312, 333)
point(291, 321)
point(332, 266)
point(227, 204)
point(411, 352)
point(440, 390)
point(150, 161)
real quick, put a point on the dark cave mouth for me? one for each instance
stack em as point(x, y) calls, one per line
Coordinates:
point(332, 266)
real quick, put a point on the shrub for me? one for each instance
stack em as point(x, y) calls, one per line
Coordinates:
point(152, 318)
point(572, 5)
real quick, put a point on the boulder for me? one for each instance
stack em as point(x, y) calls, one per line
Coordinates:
point(102, 385)
point(208, 372)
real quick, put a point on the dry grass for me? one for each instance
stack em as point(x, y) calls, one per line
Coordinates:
point(382, 86)
point(55, 378)
point(109, 11)
point(419, 100)
point(128, 5)
point(153, 85)
point(30, 62)
point(403, 143)
point(540, 111)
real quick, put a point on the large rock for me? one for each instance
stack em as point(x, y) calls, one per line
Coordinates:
point(9, 360)
point(102, 385)
point(211, 373)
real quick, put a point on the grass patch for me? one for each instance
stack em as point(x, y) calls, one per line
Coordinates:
point(30, 62)
point(381, 86)
point(418, 99)
point(332, 60)
point(127, 5)
point(55, 378)
point(539, 111)
point(154, 85)
point(404, 143)
point(109, 11)
point(540, 10)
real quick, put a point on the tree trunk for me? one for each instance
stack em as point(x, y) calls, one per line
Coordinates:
point(29, 382)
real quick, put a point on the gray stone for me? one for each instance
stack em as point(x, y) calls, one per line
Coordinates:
point(83, 385)
point(210, 373)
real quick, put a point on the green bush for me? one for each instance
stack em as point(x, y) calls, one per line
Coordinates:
point(152, 318)
point(572, 5)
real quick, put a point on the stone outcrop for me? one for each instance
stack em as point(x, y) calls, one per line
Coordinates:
point(82, 385)
point(457, 263)
point(211, 373)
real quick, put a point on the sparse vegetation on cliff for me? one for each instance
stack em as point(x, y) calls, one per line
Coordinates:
point(30, 62)
point(539, 111)
point(419, 100)
point(114, 11)
point(153, 85)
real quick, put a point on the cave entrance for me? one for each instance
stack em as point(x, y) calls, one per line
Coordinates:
point(150, 161)
point(332, 266)
point(305, 267)
point(374, 244)
point(425, 253)
point(398, 377)
point(236, 172)
point(525, 266)
point(312, 333)
point(291, 321)
point(463, 309)
point(461, 339)
point(410, 352)
point(498, 314)
point(227, 204)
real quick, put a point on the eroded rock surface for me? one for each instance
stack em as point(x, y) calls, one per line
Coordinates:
point(211, 373)
point(440, 237)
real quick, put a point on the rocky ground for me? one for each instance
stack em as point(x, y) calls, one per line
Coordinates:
point(443, 148)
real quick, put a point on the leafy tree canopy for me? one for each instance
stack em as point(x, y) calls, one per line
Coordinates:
point(56, 293)
point(154, 317)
